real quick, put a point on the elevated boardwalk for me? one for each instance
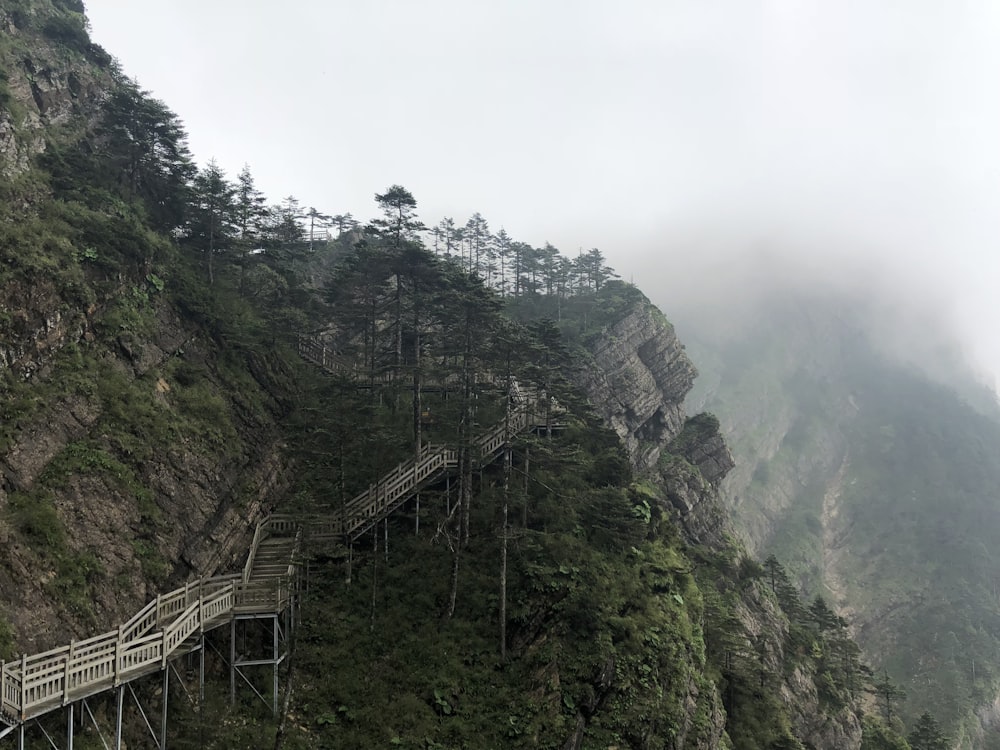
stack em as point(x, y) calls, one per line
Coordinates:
point(174, 624)
point(168, 627)
point(379, 500)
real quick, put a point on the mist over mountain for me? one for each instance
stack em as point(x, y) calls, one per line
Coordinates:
point(864, 435)
point(910, 312)
point(817, 183)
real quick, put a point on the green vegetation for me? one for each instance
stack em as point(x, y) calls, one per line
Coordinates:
point(6, 640)
point(882, 486)
point(150, 314)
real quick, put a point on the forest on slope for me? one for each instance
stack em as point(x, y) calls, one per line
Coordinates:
point(873, 478)
point(156, 304)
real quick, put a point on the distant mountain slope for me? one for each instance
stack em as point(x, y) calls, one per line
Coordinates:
point(876, 485)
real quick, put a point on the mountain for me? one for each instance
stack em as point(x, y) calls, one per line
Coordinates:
point(135, 442)
point(580, 587)
point(868, 468)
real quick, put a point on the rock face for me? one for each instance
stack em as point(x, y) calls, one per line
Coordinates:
point(138, 523)
point(132, 457)
point(53, 76)
point(638, 382)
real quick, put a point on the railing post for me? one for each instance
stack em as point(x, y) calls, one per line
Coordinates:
point(118, 655)
point(24, 680)
point(69, 659)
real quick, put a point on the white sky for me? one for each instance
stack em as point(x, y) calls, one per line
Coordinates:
point(679, 136)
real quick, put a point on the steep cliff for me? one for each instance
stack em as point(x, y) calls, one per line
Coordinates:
point(865, 469)
point(52, 76)
point(637, 377)
point(136, 449)
point(142, 433)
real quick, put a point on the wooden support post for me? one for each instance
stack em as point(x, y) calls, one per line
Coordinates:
point(416, 523)
point(69, 660)
point(24, 671)
point(69, 727)
point(385, 527)
point(232, 662)
point(119, 706)
point(118, 656)
point(201, 671)
point(163, 717)
point(524, 508)
point(274, 654)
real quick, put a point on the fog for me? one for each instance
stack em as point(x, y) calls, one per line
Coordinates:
point(707, 147)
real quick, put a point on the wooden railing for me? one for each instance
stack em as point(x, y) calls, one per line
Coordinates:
point(35, 683)
point(326, 357)
point(164, 628)
point(161, 630)
point(393, 489)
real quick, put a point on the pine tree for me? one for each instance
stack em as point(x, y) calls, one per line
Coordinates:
point(213, 225)
point(889, 694)
point(250, 214)
point(397, 232)
point(145, 148)
point(927, 735)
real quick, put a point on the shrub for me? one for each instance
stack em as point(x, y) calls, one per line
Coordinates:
point(68, 30)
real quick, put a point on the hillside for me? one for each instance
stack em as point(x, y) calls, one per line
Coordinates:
point(875, 484)
point(136, 443)
point(580, 589)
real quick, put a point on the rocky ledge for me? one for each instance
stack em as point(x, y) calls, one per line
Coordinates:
point(637, 381)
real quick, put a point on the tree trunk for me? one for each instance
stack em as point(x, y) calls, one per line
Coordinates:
point(417, 401)
point(524, 508)
point(371, 623)
point(465, 489)
point(453, 598)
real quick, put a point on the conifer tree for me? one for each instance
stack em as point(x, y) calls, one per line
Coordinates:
point(145, 149)
point(398, 229)
point(927, 734)
point(250, 214)
point(888, 694)
point(213, 222)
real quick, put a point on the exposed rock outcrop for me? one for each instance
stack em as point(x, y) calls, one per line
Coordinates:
point(49, 84)
point(638, 381)
point(141, 522)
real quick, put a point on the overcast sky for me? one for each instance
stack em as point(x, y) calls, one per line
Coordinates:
point(841, 138)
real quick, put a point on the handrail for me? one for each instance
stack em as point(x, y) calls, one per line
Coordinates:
point(145, 642)
point(393, 488)
point(254, 545)
point(39, 682)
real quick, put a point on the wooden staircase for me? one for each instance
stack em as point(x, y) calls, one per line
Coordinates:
point(273, 558)
point(167, 627)
point(384, 497)
point(171, 625)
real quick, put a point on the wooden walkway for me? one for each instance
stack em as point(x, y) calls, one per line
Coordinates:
point(166, 628)
point(384, 497)
point(171, 626)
